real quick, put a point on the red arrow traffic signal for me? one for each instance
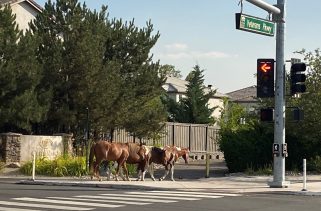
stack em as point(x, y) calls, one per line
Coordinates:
point(265, 78)
point(265, 67)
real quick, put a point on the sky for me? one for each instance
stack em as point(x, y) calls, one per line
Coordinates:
point(203, 33)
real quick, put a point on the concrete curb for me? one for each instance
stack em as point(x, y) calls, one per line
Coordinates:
point(224, 186)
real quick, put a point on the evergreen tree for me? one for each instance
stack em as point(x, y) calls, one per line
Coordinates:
point(89, 61)
point(71, 51)
point(19, 77)
point(194, 108)
point(133, 96)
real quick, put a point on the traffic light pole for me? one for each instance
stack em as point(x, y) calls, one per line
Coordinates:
point(279, 118)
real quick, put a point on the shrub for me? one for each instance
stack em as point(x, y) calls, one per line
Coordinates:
point(247, 147)
point(2, 165)
point(61, 166)
point(314, 164)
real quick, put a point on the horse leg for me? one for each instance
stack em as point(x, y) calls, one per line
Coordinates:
point(97, 171)
point(94, 173)
point(143, 174)
point(139, 177)
point(116, 173)
point(144, 167)
point(126, 170)
point(151, 171)
point(172, 173)
point(166, 173)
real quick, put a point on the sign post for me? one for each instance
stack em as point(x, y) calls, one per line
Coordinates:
point(279, 14)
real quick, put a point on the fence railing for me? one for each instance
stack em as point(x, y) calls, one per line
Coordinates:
point(198, 138)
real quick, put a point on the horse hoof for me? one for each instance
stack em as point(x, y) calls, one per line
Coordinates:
point(100, 179)
point(160, 179)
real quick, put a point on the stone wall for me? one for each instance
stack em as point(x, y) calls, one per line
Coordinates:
point(18, 148)
point(10, 146)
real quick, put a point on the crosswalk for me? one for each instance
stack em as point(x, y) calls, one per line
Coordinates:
point(108, 200)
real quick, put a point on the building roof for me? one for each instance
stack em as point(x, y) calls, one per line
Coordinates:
point(31, 2)
point(247, 94)
point(176, 85)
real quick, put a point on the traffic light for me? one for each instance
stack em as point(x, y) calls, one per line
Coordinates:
point(267, 114)
point(265, 78)
point(298, 77)
point(298, 114)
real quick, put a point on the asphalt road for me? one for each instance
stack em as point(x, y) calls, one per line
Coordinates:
point(34, 197)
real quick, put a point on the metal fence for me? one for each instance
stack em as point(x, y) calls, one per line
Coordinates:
point(199, 138)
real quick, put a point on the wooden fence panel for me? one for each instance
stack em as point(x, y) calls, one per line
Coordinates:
point(199, 138)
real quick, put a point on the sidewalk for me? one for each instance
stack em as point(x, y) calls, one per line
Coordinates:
point(187, 178)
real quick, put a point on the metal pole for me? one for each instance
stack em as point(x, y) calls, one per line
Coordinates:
point(304, 175)
point(265, 6)
point(207, 154)
point(87, 139)
point(279, 123)
point(34, 166)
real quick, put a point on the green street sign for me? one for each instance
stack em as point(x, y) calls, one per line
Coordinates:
point(254, 24)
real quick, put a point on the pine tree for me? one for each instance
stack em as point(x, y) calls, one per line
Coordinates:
point(71, 51)
point(195, 107)
point(19, 77)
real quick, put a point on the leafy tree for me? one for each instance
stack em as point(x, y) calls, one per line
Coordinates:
point(19, 77)
point(306, 134)
point(231, 116)
point(170, 71)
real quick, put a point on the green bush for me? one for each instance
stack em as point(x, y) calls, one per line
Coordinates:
point(247, 147)
point(61, 166)
point(314, 164)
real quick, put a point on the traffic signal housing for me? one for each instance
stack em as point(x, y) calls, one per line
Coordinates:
point(267, 114)
point(265, 78)
point(297, 76)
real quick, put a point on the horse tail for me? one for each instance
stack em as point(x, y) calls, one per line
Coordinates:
point(91, 156)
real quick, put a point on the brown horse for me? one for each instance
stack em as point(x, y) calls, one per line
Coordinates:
point(163, 157)
point(137, 154)
point(104, 150)
point(167, 156)
point(180, 152)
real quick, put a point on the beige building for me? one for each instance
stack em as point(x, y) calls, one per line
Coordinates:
point(245, 97)
point(25, 10)
point(176, 89)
